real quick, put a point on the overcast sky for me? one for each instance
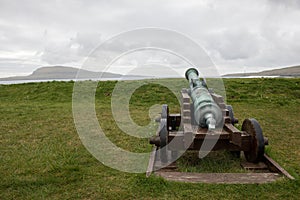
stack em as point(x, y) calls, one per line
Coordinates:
point(239, 36)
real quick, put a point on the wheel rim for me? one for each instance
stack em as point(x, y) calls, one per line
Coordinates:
point(163, 133)
point(257, 145)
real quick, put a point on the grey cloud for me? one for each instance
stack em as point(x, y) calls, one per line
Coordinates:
point(234, 43)
point(86, 41)
point(72, 49)
point(294, 4)
point(234, 33)
point(14, 38)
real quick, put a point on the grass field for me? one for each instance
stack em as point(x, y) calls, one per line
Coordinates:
point(42, 157)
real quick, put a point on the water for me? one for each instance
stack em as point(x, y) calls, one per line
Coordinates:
point(118, 79)
point(67, 80)
point(29, 81)
point(253, 77)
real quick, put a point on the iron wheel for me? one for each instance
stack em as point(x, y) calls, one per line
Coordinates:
point(257, 144)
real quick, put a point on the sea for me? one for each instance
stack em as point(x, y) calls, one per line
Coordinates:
point(11, 82)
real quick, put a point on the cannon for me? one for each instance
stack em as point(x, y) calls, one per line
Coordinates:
point(205, 116)
point(206, 112)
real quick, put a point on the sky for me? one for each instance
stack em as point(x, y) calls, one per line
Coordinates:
point(238, 36)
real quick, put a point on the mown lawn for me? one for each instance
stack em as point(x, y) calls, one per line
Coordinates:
point(41, 155)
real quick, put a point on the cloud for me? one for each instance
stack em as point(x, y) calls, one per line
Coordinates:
point(233, 44)
point(256, 34)
point(71, 49)
point(294, 4)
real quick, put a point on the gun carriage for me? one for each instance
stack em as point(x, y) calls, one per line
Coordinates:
point(206, 117)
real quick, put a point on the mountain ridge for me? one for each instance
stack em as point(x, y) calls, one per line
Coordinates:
point(65, 72)
point(293, 71)
point(61, 72)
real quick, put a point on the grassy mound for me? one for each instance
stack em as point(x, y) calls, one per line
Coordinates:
point(41, 155)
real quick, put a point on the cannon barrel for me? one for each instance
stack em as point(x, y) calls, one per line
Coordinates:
point(206, 112)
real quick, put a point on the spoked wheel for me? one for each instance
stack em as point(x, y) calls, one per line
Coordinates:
point(163, 133)
point(236, 154)
point(257, 144)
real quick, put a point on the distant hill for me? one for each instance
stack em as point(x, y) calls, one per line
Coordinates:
point(284, 72)
point(61, 72)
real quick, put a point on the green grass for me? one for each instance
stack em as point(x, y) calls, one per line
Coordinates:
point(214, 162)
point(41, 155)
